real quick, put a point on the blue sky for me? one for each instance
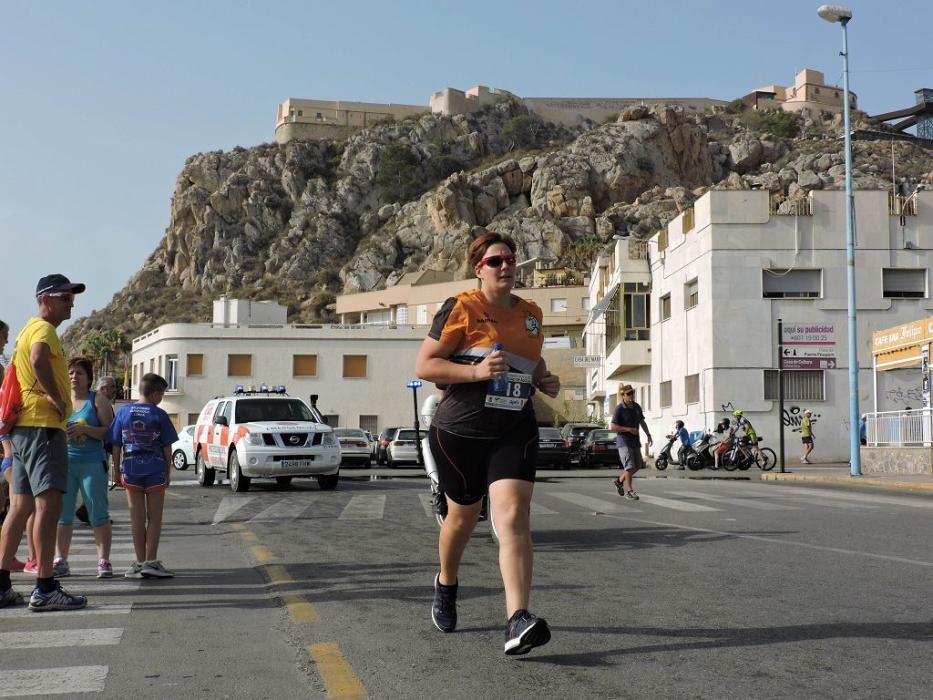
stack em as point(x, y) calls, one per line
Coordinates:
point(103, 101)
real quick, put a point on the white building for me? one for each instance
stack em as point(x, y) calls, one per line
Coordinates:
point(724, 272)
point(359, 368)
point(359, 373)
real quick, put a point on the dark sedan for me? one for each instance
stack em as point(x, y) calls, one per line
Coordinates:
point(552, 451)
point(599, 450)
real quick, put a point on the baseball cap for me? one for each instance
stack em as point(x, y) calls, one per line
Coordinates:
point(808, 412)
point(58, 283)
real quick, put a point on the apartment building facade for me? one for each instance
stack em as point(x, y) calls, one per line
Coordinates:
point(722, 274)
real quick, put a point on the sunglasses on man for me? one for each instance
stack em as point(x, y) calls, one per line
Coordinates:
point(497, 260)
point(64, 296)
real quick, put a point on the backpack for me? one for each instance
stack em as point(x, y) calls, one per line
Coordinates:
point(11, 400)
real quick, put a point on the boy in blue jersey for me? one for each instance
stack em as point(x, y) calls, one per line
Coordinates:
point(142, 437)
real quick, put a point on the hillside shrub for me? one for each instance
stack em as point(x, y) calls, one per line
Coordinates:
point(777, 122)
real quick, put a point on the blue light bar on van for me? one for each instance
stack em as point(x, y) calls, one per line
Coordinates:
point(239, 389)
point(280, 388)
point(264, 388)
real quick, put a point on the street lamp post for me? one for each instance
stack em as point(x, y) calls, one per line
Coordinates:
point(842, 15)
point(413, 384)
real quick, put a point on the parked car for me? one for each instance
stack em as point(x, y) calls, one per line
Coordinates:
point(382, 445)
point(573, 434)
point(354, 446)
point(372, 444)
point(183, 448)
point(264, 434)
point(598, 449)
point(551, 449)
point(404, 446)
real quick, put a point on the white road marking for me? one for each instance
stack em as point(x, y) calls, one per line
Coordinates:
point(427, 502)
point(23, 613)
point(538, 509)
point(868, 499)
point(34, 639)
point(114, 557)
point(594, 504)
point(774, 540)
point(286, 509)
point(230, 505)
point(118, 584)
point(683, 506)
point(755, 503)
point(364, 507)
point(53, 681)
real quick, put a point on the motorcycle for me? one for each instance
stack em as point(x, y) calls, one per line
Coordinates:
point(702, 456)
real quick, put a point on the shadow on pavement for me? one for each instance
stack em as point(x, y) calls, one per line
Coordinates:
point(718, 638)
point(631, 538)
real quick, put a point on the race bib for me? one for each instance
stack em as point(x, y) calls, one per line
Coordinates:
point(510, 392)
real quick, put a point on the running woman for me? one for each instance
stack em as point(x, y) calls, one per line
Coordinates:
point(484, 435)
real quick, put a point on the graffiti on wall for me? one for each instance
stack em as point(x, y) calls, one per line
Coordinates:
point(901, 396)
point(793, 417)
point(726, 407)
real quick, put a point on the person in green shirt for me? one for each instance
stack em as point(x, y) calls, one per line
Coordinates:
point(806, 436)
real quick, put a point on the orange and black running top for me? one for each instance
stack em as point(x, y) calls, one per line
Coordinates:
point(472, 325)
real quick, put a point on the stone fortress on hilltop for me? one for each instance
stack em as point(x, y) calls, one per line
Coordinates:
point(298, 118)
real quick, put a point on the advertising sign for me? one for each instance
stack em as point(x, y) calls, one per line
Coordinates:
point(809, 345)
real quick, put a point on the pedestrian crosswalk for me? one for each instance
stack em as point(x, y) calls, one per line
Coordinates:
point(25, 636)
point(569, 498)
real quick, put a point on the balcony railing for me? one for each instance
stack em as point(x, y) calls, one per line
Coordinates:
point(898, 428)
point(902, 206)
point(637, 250)
point(791, 207)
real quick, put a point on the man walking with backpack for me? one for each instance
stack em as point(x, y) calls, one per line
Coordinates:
point(40, 454)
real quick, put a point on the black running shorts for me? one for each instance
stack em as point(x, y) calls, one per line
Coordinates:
point(467, 465)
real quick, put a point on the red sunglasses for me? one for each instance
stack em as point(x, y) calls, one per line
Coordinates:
point(497, 260)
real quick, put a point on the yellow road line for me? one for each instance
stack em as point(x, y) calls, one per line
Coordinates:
point(277, 574)
point(300, 609)
point(340, 682)
point(261, 553)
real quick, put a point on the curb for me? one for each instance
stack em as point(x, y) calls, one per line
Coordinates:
point(852, 481)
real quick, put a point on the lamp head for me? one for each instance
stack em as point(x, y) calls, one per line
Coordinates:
point(835, 13)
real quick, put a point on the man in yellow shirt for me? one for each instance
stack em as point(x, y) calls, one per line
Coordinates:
point(40, 454)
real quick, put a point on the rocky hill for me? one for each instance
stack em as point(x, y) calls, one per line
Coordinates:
point(303, 222)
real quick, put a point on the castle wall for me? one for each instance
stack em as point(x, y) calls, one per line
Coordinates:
point(572, 111)
point(316, 119)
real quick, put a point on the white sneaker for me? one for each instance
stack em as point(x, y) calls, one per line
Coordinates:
point(154, 569)
point(134, 571)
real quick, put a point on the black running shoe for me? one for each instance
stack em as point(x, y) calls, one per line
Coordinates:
point(444, 609)
point(620, 487)
point(525, 632)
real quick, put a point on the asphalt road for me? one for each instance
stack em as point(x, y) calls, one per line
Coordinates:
point(726, 589)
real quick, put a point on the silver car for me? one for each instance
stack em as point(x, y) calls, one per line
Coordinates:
point(354, 446)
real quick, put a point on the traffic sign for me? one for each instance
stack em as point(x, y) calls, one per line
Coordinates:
point(809, 345)
point(413, 383)
point(809, 363)
point(821, 351)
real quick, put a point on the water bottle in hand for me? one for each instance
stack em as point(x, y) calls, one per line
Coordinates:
point(499, 384)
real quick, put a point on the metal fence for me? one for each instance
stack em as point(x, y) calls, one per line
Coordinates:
point(896, 428)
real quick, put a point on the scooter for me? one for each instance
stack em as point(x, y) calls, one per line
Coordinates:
point(666, 457)
point(702, 454)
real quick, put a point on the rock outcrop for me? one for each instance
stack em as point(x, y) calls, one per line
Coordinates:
point(305, 221)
